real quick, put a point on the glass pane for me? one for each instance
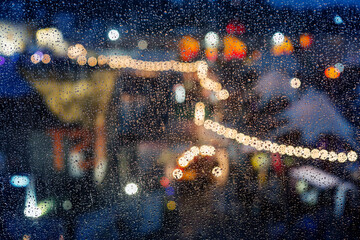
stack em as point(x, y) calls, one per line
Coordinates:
point(174, 119)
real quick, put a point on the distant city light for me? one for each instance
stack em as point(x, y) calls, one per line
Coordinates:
point(142, 44)
point(19, 181)
point(131, 189)
point(278, 38)
point(338, 20)
point(211, 40)
point(113, 35)
point(295, 83)
point(180, 93)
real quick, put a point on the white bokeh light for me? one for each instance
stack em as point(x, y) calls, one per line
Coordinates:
point(131, 189)
point(278, 38)
point(211, 40)
point(113, 34)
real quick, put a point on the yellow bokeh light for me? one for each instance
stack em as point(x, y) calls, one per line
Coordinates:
point(92, 61)
point(102, 60)
point(199, 113)
point(81, 60)
point(171, 205)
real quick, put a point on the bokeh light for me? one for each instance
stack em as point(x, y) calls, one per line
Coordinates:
point(177, 174)
point(19, 181)
point(142, 44)
point(164, 181)
point(113, 34)
point(212, 40)
point(92, 61)
point(332, 72)
point(131, 189)
point(171, 205)
point(278, 38)
point(189, 48)
point(46, 58)
point(306, 40)
point(295, 83)
point(234, 48)
point(235, 27)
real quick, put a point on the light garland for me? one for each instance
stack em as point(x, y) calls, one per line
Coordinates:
point(118, 62)
point(269, 146)
point(188, 156)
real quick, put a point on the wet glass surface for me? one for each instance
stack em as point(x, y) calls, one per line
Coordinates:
point(174, 119)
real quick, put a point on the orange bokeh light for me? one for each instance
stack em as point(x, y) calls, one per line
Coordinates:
point(234, 48)
point(284, 48)
point(211, 54)
point(332, 72)
point(189, 48)
point(306, 40)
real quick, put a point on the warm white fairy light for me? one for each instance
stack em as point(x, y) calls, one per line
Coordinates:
point(315, 153)
point(217, 171)
point(342, 157)
point(323, 154)
point(352, 156)
point(177, 174)
point(199, 113)
point(282, 149)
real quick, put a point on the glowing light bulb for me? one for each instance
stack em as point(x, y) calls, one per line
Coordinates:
point(332, 156)
point(315, 153)
point(183, 162)
point(352, 156)
point(142, 44)
point(131, 189)
point(282, 149)
point(81, 60)
point(208, 124)
point(113, 34)
point(199, 113)
point(240, 137)
point(278, 38)
point(275, 148)
point(342, 157)
point(268, 145)
point(295, 83)
point(217, 171)
point(195, 150)
point(298, 151)
point(92, 61)
point(323, 154)
point(177, 174)
point(246, 140)
point(306, 153)
point(289, 150)
point(46, 59)
point(211, 40)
